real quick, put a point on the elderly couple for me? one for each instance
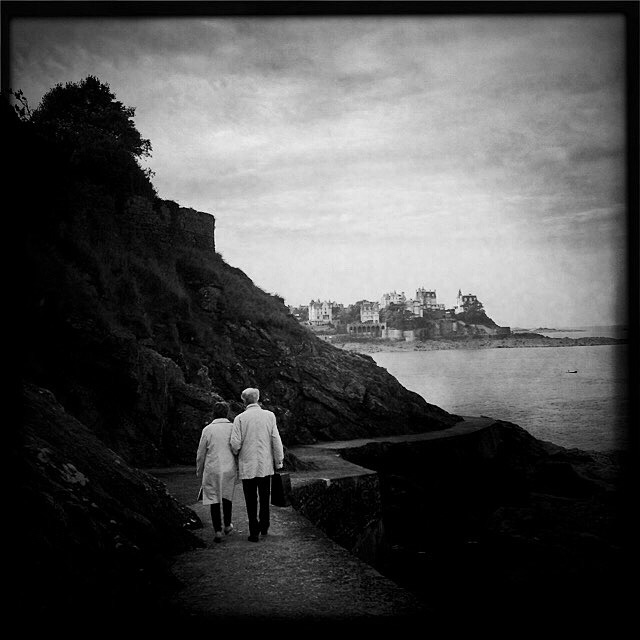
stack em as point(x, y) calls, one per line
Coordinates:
point(248, 450)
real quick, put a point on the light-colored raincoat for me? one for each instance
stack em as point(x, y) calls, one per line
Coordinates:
point(215, 462)
point(256, 440)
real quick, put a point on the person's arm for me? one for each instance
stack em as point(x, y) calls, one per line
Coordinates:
point(201, 455)
point(276, 446)
point(235, 455)
point(235, 441)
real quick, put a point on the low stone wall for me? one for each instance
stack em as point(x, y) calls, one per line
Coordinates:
point(345, 500)
point(340, 498)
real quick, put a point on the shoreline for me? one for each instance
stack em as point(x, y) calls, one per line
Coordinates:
point(513, 342)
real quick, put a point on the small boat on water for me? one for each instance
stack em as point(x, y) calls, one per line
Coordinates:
point(568, 371)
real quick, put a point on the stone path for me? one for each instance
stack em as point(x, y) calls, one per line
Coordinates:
point(296, 574)
point(464, 427)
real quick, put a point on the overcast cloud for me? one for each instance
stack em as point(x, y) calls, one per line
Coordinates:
point(343, 158)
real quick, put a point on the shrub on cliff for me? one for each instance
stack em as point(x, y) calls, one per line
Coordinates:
point(96, 134)
point(474, 313)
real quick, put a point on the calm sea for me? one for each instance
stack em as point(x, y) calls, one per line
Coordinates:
point(529, 386)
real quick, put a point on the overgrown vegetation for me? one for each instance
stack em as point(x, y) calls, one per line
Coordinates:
point(474, 313)
point(93, 132)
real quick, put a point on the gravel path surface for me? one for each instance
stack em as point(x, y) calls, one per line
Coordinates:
point(295, 574)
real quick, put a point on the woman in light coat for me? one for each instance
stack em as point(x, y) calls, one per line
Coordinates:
point(218, 467)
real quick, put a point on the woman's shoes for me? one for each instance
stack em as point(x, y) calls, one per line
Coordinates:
point(218, 536)
point(228, 530)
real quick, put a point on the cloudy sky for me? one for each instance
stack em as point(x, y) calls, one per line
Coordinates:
point(347, 157)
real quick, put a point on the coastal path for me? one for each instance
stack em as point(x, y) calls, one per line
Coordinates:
point(296, 574)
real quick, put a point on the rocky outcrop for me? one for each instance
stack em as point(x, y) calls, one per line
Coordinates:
point(92, 535)
point(498, 516)
point(481, 517)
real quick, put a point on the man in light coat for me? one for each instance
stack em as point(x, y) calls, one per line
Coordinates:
point(256, 441)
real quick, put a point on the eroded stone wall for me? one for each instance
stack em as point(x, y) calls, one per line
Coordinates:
point(168, 223)
point(348, 509)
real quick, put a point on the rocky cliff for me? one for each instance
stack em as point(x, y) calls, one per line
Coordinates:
point(90, 536)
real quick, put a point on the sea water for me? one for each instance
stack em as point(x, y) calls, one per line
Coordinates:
point(529, 386)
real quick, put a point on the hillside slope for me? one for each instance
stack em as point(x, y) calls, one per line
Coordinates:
point(137, 328)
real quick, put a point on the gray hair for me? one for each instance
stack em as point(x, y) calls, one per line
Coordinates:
point(250, 395)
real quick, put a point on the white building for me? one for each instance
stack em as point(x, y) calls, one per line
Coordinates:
point(463, 301)
point(392, 298)
point(429, 300)
point(321, 312)
point(370, 312)
point(415, 307)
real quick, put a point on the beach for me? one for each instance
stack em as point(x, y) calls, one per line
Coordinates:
point(512, 342)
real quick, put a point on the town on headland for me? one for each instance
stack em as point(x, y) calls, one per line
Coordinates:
point(399, 323)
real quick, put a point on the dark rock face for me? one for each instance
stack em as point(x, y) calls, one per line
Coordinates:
point(94, 534)
point(501, 517)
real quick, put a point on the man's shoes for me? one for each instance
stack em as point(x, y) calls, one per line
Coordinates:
point(253, 539)
point(264, 532)
point(218, 536)
point(228, 530)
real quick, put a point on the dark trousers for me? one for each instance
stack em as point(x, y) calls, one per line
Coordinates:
point(215, 514)
point(257, 489)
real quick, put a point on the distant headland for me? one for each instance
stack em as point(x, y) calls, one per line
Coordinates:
point(398, 323)
point(397, 317)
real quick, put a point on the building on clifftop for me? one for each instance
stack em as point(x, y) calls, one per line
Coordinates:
point(429, 300)
point(465, 301)
point(369, 312)
point(321, 312)
point(392, 298)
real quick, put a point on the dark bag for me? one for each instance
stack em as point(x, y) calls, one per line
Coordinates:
point(280, 489)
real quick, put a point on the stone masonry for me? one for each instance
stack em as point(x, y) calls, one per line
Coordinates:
point(168, 223)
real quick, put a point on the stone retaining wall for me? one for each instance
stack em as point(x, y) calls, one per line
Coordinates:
point(340, 498)
point(459, 464)
point(347, 509)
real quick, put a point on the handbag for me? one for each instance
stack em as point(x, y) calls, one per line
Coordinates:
point(280, 489)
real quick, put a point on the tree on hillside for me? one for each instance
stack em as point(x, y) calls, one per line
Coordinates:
point(96, 133)
point(397, 317)
point(347, 315)
point(474, 313)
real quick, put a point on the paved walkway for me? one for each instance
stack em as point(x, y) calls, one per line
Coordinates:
point(470, 424)
point(296, 574)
